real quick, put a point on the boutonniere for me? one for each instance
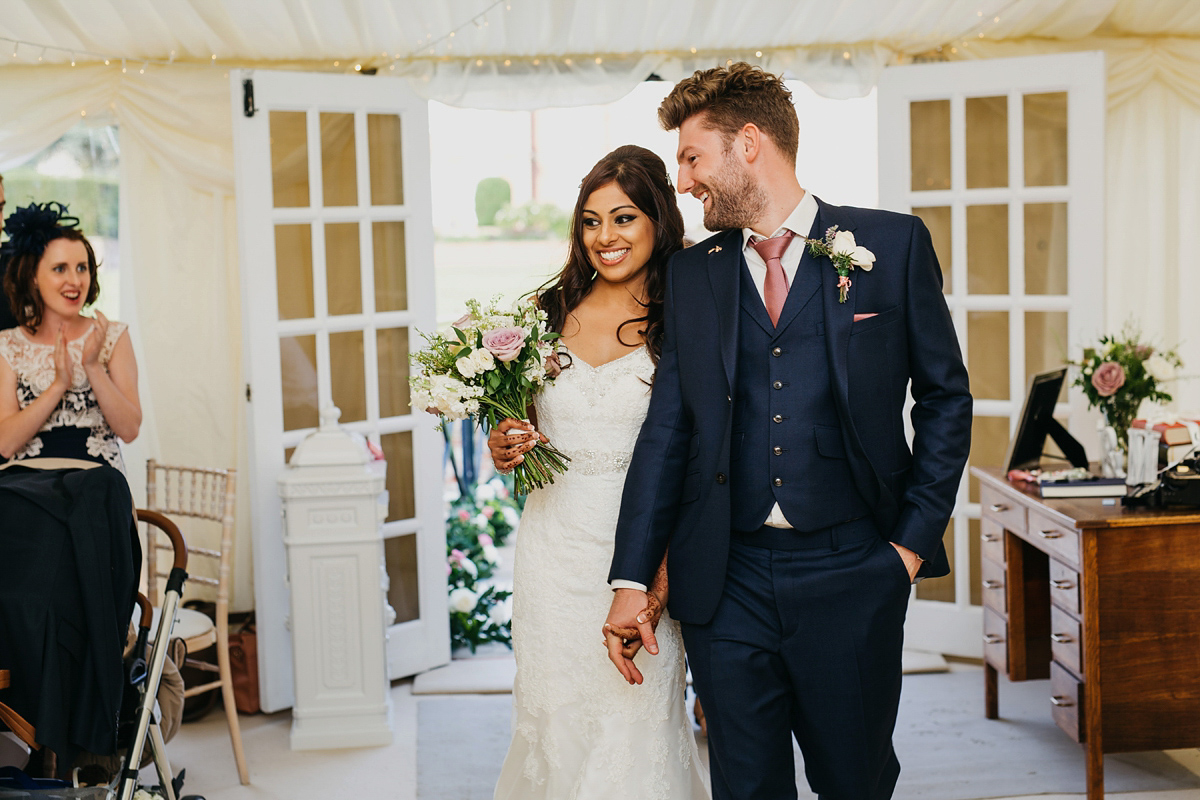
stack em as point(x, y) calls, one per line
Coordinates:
point(844, 253)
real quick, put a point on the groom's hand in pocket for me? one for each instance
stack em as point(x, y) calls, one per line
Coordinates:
point(628, 614)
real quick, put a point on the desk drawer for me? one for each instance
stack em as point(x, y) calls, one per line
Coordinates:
point(1004, 512)
point(994, 590)
point(1066, 698)
point(995, 640)
point(1066, 640)
point(991, 534)
point(1057, 540)
point(1064, 587)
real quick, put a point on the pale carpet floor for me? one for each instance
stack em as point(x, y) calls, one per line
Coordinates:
point(278, 773)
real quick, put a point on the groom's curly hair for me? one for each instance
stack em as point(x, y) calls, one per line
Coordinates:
point(729, 98)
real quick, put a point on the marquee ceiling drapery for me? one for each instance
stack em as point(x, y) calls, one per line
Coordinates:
point(564, 53)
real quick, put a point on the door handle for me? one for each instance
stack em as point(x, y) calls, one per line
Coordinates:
point(1062, 584)
point(998, 507)
point(992, 638)
point(990, 584)
point(991, 537)
point(1061, 638)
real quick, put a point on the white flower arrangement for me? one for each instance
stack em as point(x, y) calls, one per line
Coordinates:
point(489, 366)
point(844, 253)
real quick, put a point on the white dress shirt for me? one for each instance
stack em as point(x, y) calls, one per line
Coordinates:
point(799, 222)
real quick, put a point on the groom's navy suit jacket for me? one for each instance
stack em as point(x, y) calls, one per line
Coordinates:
point(677, 492)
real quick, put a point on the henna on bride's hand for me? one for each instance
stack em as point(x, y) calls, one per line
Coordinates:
point(630, 637)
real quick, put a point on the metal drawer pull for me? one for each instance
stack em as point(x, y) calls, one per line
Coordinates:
point(998, 507)
point(991, 537)
point(990, 584)
point(1061, 700)
point(992, 638)
point(1061, 638)
point(1050, 534)
point(1061, 584)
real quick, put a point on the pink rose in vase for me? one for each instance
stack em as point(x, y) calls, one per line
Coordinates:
point(505, 343)
point(1108, 378)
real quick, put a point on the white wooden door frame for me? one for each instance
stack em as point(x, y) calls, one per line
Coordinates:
point(412, 646)
point(955, 628)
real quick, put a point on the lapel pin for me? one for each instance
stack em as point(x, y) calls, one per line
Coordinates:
point(716, 249)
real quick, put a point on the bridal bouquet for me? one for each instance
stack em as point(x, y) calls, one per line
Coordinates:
point(488, 366)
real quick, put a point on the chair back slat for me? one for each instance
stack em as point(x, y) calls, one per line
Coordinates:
point(201, 493)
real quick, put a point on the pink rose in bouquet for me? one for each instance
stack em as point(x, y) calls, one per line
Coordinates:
point(1107, 378)
point(505, 343)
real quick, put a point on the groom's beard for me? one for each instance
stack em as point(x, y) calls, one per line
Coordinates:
point(735, 200)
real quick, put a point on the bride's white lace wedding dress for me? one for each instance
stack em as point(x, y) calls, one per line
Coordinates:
point(579, 730)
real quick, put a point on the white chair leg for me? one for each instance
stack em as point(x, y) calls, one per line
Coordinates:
point(231, 714)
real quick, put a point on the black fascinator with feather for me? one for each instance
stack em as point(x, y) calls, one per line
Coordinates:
point(32, 227)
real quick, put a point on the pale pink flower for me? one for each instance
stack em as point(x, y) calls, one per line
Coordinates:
point(488, 511)
point(505, 343)
point(463, 515)
point(1108, 378)
point(485, 540)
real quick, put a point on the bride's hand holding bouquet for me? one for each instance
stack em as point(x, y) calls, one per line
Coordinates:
point(489, 366)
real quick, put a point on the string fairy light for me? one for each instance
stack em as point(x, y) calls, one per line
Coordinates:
point(74, 53)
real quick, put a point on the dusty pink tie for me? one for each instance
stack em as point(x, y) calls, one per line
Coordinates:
point(775, 288)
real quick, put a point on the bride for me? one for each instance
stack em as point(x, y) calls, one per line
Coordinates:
point(580, 730)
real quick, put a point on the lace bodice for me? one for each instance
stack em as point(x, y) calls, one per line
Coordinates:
point(580, 731)
point(33, 364)
point(594, 414)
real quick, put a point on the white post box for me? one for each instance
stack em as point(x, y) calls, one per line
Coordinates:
point(333, 495)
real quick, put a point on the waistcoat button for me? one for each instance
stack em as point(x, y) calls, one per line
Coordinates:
point(779, 481)
point(777, 351)
point(778, 384)
point(777, 451)
point(720, 477)
point(778, 418)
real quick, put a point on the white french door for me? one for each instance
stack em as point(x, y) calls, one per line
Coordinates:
point(336, 247)
point(1003, 159)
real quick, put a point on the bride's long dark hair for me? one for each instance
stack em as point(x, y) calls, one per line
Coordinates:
point(643, 178)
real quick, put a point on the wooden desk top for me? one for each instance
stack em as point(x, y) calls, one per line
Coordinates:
point(1086, 512)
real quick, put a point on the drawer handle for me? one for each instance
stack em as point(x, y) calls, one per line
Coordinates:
point(991, 537)
point(990, 584)
point(1061, 584)
point(1050, 534)
point(1061, 638)
point(992, 638)
point(998, 507)
point(1061, 700)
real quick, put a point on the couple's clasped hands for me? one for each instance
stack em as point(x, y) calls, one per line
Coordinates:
point(632, 621)
point(90, 357)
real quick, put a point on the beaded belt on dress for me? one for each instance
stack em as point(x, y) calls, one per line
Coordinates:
point(598, 462)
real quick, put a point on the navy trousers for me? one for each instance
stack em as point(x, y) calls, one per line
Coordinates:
point(806, 641)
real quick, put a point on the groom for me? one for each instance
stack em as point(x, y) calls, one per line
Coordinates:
point(773, 463)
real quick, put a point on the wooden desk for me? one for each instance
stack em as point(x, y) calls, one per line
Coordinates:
point(1105, 602)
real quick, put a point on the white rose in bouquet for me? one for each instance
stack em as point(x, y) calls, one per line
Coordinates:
point(463, 600)
point(1159, 368)
point(501, 613)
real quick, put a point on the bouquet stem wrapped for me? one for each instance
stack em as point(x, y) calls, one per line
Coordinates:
point(488, 366)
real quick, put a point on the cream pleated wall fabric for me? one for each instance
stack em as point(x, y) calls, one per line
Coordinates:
point(178, 250)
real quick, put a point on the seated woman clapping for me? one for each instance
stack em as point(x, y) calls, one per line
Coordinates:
point(68, 382)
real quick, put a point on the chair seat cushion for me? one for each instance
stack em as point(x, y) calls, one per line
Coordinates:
point(189, 624)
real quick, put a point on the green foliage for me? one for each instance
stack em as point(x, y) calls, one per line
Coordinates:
point(93, 200)
point(476, 525)
point(534, 221)
point(491, 195)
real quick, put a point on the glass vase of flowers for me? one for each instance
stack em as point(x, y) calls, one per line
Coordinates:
point(1121, 372)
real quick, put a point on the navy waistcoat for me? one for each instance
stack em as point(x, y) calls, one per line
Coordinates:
point(787, 444)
